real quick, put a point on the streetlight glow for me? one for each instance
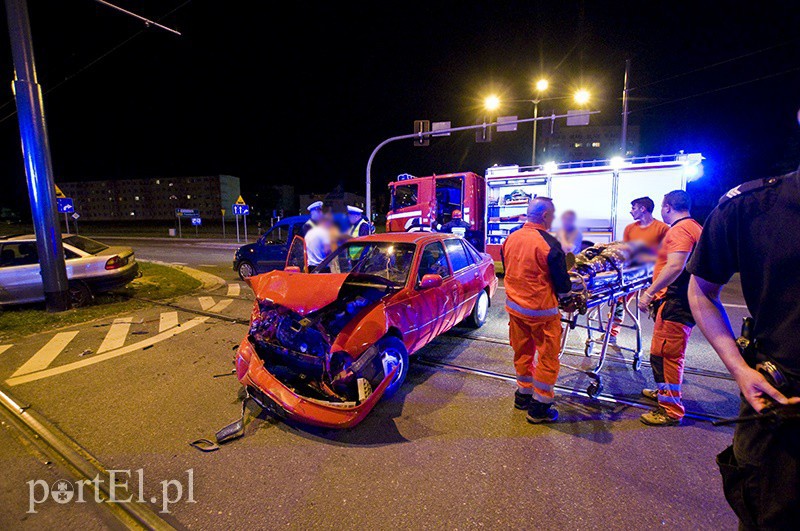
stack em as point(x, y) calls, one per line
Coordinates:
point(582, 97)
point(542, 85)
point(550, 167)
point(491, 103)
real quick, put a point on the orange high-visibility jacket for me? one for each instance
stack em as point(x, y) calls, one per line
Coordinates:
point(535, 270)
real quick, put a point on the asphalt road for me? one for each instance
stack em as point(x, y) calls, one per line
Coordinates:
point(448, 451)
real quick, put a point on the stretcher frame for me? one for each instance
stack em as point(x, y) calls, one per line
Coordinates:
point(595, 322)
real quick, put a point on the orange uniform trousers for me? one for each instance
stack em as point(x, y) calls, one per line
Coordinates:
point(536, 375)
point(667, 357)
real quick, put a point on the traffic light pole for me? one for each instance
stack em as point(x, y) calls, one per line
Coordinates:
point(36, 155)
point(422, 135)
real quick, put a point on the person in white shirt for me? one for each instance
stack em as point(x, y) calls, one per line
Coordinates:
point(319, 241)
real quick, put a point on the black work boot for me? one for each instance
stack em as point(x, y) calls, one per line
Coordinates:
point(521, 401)
point(539, 412)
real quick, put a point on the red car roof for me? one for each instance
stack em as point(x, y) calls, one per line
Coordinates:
point(407, 237)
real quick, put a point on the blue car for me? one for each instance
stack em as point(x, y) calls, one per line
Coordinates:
point(270, 251)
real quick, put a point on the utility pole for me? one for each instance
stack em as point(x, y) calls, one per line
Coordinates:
point(36, 155)
point(624, 145)
point(535, 123)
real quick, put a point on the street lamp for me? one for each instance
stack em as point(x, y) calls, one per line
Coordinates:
point(491, 103)
point(582, 97)
point(541, 86)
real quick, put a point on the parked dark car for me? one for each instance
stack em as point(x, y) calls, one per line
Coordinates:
point(269, 251)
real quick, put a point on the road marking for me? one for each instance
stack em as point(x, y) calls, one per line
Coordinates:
point(45, 356)
point(17, 380)
point(234, 290)
point(3, 348)
point(205, 303)
point(221, 305)
point(167, 320)
point(116, 335)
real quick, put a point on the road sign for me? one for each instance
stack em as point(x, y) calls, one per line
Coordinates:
point(75, 216)
point(240, 201)
point(197, 222)
point(59, 193)
point(438, 126)
point(65, 205)
point(505, 119)
point(223, 211)
point(241, 210)
point(485, 134)
point(579, 117)
point(187, 212)
point(422, 126)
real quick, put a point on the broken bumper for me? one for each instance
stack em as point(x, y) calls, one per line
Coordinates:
point(250, 371)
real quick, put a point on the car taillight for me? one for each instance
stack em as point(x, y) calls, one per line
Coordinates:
point(115, 262)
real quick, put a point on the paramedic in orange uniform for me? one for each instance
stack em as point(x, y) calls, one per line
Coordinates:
point(644, 229)
point(674, 321)
point(535, 273)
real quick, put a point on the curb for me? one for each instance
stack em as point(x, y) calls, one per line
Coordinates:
point(209, 281)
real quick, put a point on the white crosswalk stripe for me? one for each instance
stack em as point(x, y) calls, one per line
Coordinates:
point(45, 356)
point(205, 302)
point(221, 305)
point(115, 337)
point(234, 290)
point(3, 348)
point(167, 320)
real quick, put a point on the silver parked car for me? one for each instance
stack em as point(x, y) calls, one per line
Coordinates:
point(92, 267)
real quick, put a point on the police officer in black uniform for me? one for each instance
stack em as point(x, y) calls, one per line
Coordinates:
point(755, 231)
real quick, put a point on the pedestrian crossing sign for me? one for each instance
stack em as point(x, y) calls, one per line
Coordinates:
point(60, 194)
point(240, 201)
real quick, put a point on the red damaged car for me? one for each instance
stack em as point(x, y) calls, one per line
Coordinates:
point(325, 346)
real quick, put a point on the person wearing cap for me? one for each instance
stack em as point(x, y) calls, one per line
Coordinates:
point(456, 225)
point(315, 211)
point(358, 225)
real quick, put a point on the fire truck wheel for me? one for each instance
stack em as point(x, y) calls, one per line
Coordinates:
point(478, 316)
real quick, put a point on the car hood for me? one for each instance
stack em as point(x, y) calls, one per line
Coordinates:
point(300, 292)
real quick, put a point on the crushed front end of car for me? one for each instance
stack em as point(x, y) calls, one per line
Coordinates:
point(311, 346)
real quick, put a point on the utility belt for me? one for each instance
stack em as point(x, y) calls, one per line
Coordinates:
point(777, 376)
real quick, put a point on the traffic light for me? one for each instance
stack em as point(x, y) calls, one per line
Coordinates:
point(422, 126)
point(485, 134)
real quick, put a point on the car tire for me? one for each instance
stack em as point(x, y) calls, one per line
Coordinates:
point(480, 311)
point(392, 348)
point(79, 294)
point(245, 270)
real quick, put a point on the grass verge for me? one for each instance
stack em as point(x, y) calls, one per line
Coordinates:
point(157, 282)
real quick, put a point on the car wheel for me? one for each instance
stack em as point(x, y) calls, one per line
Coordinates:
point(392, 353)
point(246, 270)
point(479, 311)
point(79, 294)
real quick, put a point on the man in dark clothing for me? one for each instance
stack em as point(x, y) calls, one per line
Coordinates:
point(755, 231)
point(456, 225)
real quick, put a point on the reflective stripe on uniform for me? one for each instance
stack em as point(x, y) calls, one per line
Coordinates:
point(546, 388)
point(669, 387)
point(530, 313)
point(524, 378)
point(544, 399)
point(525, 390)
point(669, 399)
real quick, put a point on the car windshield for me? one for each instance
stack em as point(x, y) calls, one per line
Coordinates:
point(85, 244)
point(389, 260)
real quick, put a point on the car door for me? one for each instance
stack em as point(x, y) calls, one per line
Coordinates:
point(20, 273)
point(272, 249)
point(466, 276)
point(430, 309)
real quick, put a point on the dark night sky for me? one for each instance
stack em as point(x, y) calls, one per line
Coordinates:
point(300, 92)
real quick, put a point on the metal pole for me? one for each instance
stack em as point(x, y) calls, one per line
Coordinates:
point(535, 123)
point(237, 228)
point(440, 131)
point(180, 234)
point(223, 225)
point(36, 155)
point(624, 144)
point(244, 220)
point(66, 221)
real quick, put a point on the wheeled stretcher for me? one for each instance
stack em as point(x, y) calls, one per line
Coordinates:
point(596, 298)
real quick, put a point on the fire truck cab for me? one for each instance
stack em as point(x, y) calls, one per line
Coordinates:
point(430, 201)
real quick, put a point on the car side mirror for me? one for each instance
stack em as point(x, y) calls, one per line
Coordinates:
point(292, 269)
point(430, 281)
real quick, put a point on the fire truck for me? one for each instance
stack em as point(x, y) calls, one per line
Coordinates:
point(599, 191)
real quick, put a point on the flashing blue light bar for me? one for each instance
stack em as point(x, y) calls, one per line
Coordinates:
point(405, 177)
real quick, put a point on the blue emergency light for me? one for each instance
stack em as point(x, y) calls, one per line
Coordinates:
point(405, 177)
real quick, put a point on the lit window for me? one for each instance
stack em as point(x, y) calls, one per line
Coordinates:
point(158, 181)
point(578, 144)
point(136, 198)
point(133, 213)
point(188, 196)
point(170, 184)
point(595, 144)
